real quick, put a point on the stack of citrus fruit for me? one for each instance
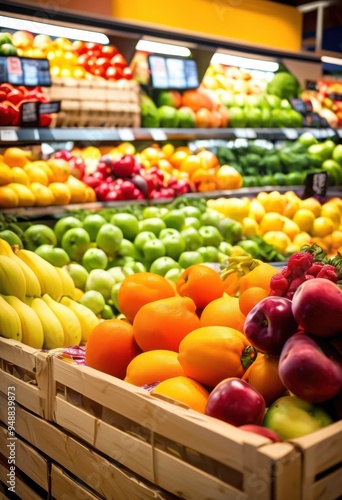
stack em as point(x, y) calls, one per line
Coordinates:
point(25, 182)
point(286, 221)
point(181, 340)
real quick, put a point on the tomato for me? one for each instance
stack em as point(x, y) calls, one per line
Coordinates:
point(127, 73)
point(113, 73)
point(118, 61)
point(103, 63)
point(109, 51)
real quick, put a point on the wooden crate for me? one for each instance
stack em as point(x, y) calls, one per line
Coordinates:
point(104, 478)
point(181, 451)
point(65, 487)
point(25, 369)
point(95, 103)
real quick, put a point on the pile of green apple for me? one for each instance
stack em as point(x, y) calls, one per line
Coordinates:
point(100, 250)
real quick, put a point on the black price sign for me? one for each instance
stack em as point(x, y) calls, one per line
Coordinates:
point(316, 184)
point(29, 114)
point(49, 107)
point(25, 71)
point(335, 96)
point(311, 85)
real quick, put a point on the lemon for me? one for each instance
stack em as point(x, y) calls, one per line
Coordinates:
point(304, 218)
point(290, 228)
point(313, 205)
point(250, 226)
point(278, 239)
point(256, 210)
point(272, 221)
point(303, 238)
point(322, 226)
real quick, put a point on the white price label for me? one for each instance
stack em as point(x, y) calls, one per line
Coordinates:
point(250, 133)
point(323, 134)
point(290, 133)
point(240, 133)
point(8, 135)
point(339, 131)
point(157, 134)
point(126, 134)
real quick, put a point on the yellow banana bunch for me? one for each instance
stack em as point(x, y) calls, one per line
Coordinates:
point(31, 326)
point(48, 277)
point(68, 319)
point(68, 285)
point(12, 278)
point(10, 325)
point(88, 320)
point(52, 328)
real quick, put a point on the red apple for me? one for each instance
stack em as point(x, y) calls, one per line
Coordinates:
point(125, 166)
point(109, 51)
point(317, 307)
point(15, 96)
point(127, 73)
point(141, 184)
point(91, 181)
point(270, 323)
point(63, 154)
point(113, 73)
point(310, 368)
point(236, 402)
point(118, 61)
point(77, 166)
point(262, 431)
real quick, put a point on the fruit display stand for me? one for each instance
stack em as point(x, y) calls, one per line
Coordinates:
point(25, 370)
point(186, 453)
point(95, 103)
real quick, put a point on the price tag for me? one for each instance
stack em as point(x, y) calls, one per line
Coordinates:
point(240, 133)
point(316, 184)
point(250, 133)
point(8, 135)
point(323, 133)
point(290, 133)
point(49, 107)
point(126, 134)
point(29, 114)
point(157, 134)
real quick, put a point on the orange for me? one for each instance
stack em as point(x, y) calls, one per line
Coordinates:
point(201, 283)
point(231, 284)
point(36, 174)
point(16, 157)
point(8, 197)
point(61, 193)
point(78, 189)
point(209, 159)
point(275, 202)
point(190, 164)
point(250, 297)
point(162, 324)
point(263, 376)
point(60, 169)
point(224, 311)
point(6, 174)
point(140, 289)
point(322, 226)
point(153, 366)
point(185, 390)
point(111, 347)
point(260, 276)
point(271, 221)
point(228, 178)
point(177, 158)
point(25, 196)
point(212, 353)
point(20, 176)
point(44, 196)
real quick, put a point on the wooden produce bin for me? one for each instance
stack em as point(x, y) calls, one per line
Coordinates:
point(186, 453)
point(74, 467)
point(95, 103)
point(26, 370)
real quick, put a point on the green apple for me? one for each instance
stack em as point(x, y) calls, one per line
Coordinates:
point(93, 300)
point(152, 250)
point(92, 224)
point(190, 211)
point(188, 258)
point(39, 234)
point(128, 223)
point(225, 248)
point(114, 293)
point(12, 238)
point(337, 154)
point(153, 224)
point(210, 218)
point(127, 249)
point(109, 239)
point(192, 222)
point(140, 240)
point(101, 281)
point(211, 236)
point(251, 247)
point(78, 274)
point(55, 255)
point(153, 211)
point(290, 417)
point(174, 245)
point(174, 218)
point(119, 273)
point(173, 274)
point(231, 230)
point(94, 258)
point(107, 312)
point(162, 265)
point(76, 242)
point(136, 267)
point(64, 224)
point(168, 232)
point(209, 253)
point(192, 237)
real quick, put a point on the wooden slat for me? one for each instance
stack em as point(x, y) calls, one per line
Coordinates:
point(25, 394)
point(19, 354)
point(63, 487)
point(22, 490)
point(328, 488)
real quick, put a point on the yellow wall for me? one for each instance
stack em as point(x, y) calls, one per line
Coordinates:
point(256, 21)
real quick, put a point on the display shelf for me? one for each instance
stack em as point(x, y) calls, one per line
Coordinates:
point(11, 135)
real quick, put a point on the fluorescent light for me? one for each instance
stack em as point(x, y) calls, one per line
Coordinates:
point(331, 60)
point(53, 30)
point(244, 62)
point(162, 48)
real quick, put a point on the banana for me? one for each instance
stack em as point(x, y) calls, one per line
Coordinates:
point(52, 328)
point(68, 285)
point(12, 278)
point(31, 326)
point(33, 288)
point(68, 319)
point(10, 325)
point(88, 320)
point(48, 277)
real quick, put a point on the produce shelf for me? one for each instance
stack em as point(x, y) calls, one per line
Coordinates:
point(10, 135)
